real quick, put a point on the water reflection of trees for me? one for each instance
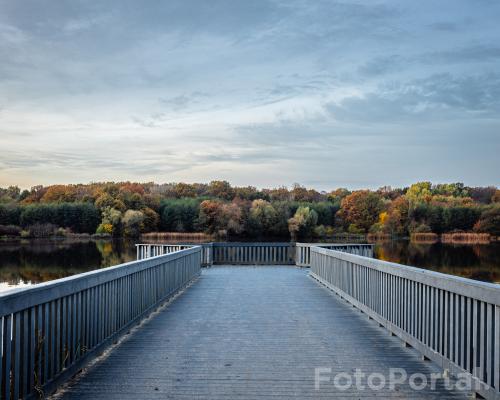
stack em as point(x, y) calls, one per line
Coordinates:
point(36, 261)
point(479, 262)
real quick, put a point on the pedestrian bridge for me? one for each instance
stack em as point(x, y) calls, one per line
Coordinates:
point(252, 324)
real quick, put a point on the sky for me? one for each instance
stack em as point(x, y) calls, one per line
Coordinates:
point(328, 94)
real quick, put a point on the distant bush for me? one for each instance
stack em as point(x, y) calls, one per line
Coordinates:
point(42, 230)
point(465, 238)
point(424, 237)
point(10, 230)
point(422, 228)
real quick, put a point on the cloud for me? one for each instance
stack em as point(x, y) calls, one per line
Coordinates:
point(380, 65)
point(445, 26)
point(313, 91)
point(183, 101)
point(437, 97)
point(470, 54)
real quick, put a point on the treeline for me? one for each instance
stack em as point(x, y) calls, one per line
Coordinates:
point(129, 209)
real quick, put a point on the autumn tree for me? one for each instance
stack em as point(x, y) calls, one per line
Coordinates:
point(209, 218)
point(59, 194)
point(182, 190)
point(221, 218)
point(336, 196)
point(151, 220)
point(397, 219)
point(221, 190)
point(230, 219)
point(361, 209)
point(278, 194)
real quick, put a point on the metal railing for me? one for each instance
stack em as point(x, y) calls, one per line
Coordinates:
point(303, 250)
point(254, 253)
point(50, 330)
point(154, 249)
point(229, 253)
point(451, 320)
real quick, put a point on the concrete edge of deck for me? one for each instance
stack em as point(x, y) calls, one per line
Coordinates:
point(56, 388)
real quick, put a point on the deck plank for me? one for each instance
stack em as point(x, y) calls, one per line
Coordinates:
point(251, 333)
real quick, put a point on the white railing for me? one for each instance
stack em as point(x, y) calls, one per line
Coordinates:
point(230, 253)
point(50, 330)
point(451, 320)
point(303, 250)
point(242, 253)
point(253, 253)
point(153, 249)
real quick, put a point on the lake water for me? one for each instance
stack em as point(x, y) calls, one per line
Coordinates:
point(28, 262)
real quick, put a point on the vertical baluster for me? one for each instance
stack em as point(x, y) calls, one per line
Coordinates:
point(33, 346)
point(481, 359)
point(475, 336)
point(489, 334)
point(7, 355)
point(64, 327)
point(445, 327)
point(463, 331)
point(496, 358)
point(456, 331)
point(16, 348)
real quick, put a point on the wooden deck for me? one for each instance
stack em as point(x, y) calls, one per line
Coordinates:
point(251, 333)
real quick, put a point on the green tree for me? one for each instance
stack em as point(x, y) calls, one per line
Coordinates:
point(302, 224)
point(262, 218)
point(10, 214)
point(133, 223)
point(111, 222)
point(104, 200)
point(179, 215)
point(419, 192)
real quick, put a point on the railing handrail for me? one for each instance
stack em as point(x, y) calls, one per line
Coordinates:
point(333, 244)
point(19, 299)
point(221, 244)
point(484, 291)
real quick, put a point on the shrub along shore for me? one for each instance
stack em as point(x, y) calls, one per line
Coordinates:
point(219, 210)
